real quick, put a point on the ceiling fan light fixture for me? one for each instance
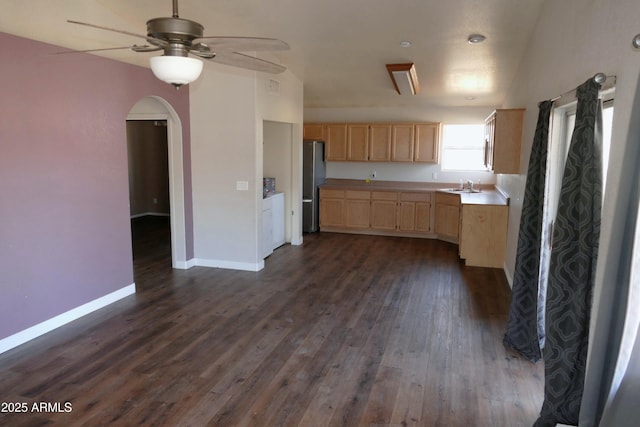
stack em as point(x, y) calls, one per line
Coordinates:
point(176, 70)
point(404, 78)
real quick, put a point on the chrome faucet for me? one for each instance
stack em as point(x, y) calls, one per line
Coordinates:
point(470, 185)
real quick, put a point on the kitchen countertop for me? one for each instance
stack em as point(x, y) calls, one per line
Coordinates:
point(487, 196)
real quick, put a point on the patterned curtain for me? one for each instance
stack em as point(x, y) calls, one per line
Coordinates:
point(525, 328)
point(573, 263)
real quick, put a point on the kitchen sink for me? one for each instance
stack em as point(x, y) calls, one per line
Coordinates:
point(463, 190)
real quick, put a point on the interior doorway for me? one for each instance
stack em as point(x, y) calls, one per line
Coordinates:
point(277, 162)
point(149, 196)
point(156, 108)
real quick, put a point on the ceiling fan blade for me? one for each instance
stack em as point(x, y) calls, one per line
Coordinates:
point(145, 48)
point(240, 60)
point(136, 48)
point(202, 51)
point(242, 44)
point(153, 40)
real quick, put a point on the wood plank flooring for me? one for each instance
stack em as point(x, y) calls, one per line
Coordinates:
point(345, 330)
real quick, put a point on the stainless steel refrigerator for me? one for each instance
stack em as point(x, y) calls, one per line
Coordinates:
point(313, 175)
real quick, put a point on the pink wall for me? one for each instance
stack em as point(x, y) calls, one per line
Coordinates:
point(64, 216)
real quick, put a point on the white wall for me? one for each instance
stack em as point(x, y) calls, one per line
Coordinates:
point(228, 108)
point(401, 171)
point(285, 106)
point(223, 149)
point(574, 40)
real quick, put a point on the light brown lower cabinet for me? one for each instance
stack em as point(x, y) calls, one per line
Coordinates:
point(415, 212)
point(480, 230)
point(447, 223)
point(376, 212)
point(357, 209)
point(483, 235)
point(332, 208)
point(384, 207)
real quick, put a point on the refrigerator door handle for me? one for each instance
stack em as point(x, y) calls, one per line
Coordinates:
point(307, 200)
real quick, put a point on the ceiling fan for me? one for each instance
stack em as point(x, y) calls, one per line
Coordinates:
point(179, 37)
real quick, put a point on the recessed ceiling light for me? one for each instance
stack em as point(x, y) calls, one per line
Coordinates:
point(476, 38)
point(405, 43)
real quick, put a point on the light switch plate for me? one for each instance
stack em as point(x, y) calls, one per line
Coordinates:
point(242, 185)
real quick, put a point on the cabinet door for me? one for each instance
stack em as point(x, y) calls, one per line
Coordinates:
point(423, 217)
point(314, 131)
point(331, 212)
point(357, 209)
point(483, 235)
point(441, 219)
point(331, 208)
point(358, 142)
point(380, 142)
point(414, 212)
point(407, 216)
point(426, 143)
point(384, 211)
point(451, 221)
point(336, 142)
point(414, 216)
point(447, 221)
point(507, 141)
point(489, 133)
point(402, 143)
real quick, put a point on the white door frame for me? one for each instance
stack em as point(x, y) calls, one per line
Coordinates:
point(156, 108)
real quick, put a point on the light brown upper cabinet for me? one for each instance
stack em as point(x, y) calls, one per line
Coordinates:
point(426, 143)
point(314, 131)
point(377, 142)
point(380, 142)
point(402, 142)
point(503, 139)
point(358, 142)
point(336, 142)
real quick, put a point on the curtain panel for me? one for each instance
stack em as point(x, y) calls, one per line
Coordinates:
point(612, 383)
point(572, 266)
point(525, 327)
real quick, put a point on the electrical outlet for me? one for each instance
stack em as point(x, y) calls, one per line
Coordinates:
point(373, 174)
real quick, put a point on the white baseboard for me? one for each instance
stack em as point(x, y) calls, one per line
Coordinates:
point(35, 331)
point(231, 265)
point(185, 265)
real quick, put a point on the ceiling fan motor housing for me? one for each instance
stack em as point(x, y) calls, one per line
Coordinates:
point(177, 31)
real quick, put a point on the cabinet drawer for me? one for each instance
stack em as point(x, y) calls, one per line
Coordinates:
point(448, 199)
point(384, 195)
point(359, 195)
point(334, 194)
point(415, 197)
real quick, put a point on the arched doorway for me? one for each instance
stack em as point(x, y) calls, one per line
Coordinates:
point(156, 108)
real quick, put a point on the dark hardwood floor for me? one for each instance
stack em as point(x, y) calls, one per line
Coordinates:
point(345, 330)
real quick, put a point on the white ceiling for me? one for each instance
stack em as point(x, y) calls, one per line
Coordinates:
point(339, 48)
